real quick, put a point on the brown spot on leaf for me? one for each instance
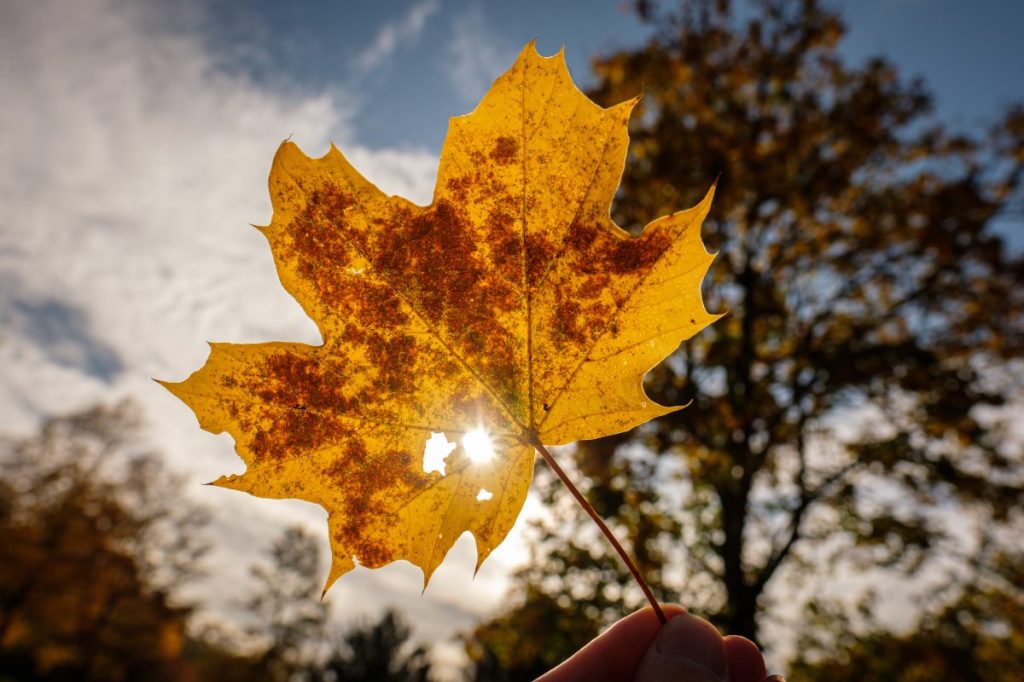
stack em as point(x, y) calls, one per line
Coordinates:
point(293, 379)
point(459, 187)
point(567, 323)
point(368, 487)
point(434, 256)
point(599, 250)
point(594, 286)
point(394, 357)
point(504, 151)
point(539, 251)
point(641, 253)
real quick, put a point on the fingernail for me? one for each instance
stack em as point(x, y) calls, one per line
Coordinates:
point(686, 648)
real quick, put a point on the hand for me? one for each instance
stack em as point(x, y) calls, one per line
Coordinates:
point(686, 649)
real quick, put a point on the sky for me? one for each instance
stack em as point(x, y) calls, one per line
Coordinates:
point(411, 65)
point(135, 141)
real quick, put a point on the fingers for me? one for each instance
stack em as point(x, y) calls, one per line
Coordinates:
point(687, 648)
point(616, 653)
point(746, 664)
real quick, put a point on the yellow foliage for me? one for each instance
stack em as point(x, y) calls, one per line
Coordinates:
point(511, 311)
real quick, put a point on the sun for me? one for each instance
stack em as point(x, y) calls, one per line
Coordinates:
point(478, 446)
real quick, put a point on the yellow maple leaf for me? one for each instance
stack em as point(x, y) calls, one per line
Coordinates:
point(509, 314)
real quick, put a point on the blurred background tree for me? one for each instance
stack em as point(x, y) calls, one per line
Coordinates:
point(289, 620)
point(95, 540)
point(975, 636)
point(287, 613)
point(533, 637)
point(377, 651)
point(844, 418)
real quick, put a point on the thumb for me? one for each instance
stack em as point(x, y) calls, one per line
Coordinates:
point(687, 649)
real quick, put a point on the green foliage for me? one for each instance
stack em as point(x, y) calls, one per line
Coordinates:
point(845, 415)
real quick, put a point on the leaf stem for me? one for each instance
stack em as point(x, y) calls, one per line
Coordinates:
point(604, 528)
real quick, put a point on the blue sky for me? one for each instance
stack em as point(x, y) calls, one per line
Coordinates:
point(443, 53)
point(136, 152)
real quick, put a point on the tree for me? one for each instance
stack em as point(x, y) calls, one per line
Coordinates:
point(286, 607)
point(213, 652)
point(381, 651)
point(976, 637)
point(498, 651)
point(845, 414)
point(290, 618)
point(96, 538)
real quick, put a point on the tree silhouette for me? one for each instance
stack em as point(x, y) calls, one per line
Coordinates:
point(976, 637)
point(381, 651)
point(97, 541)
point(286, 607)
point(530, 640)
point(95, 537)
point(845, 415)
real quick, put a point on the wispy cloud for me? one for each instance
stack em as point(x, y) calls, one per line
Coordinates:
point(395, 34)
point(477, 55)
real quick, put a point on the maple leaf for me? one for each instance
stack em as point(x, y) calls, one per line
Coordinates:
point(509, 314)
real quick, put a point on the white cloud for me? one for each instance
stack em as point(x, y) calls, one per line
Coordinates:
point(395, 34)
point(476, 54)
point(132, 167)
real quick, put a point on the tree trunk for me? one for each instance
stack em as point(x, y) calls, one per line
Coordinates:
point(739, 616)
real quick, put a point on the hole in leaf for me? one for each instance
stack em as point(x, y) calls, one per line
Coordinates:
point(478, 446)
point(484, 495)
point(435, 451)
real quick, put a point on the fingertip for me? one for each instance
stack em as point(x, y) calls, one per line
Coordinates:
point(617, 652)
point(644, 623)
point(670, 610)
point(746, 663)
point(686, 648)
